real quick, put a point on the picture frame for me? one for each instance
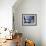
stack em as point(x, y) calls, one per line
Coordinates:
point(29, 19)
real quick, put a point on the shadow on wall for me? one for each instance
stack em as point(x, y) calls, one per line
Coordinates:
point(28, 7)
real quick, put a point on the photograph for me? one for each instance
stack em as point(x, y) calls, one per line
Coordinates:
point(29, 19)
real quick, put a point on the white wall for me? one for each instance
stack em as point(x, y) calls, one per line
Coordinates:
point(28, 7)
point(6, 13)
point(43, 22)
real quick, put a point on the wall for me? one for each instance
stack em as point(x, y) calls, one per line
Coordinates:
point(28, 7)
point(6, 13)
point(43, 22)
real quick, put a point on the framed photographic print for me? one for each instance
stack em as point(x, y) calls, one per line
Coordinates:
point(29, 19)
